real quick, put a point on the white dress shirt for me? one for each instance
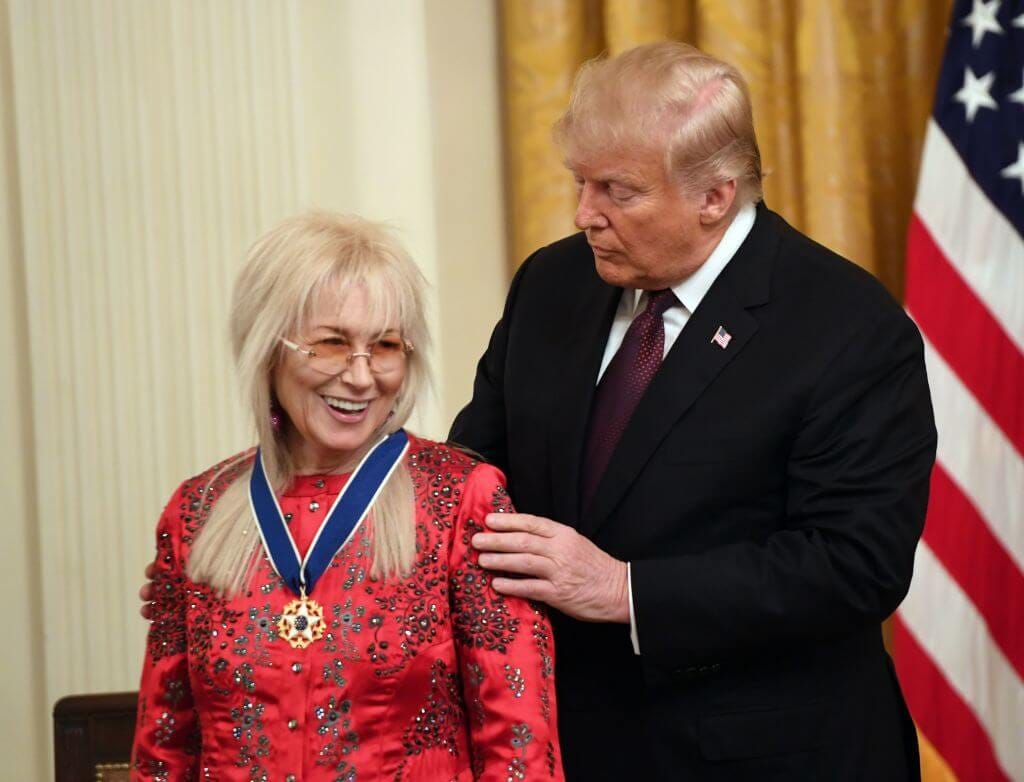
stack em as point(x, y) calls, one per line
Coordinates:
point(689, 292)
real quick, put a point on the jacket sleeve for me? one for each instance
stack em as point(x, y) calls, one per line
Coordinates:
point(481, 424)
point(841, 558)
point(506, 654)
point(166, 742)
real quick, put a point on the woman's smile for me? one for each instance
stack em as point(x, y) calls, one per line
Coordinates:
point(347, 411)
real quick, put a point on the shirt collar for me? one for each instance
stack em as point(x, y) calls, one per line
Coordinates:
point(692, 290)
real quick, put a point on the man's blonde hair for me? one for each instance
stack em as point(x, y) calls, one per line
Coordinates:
point(671, 97)
point(287, 270)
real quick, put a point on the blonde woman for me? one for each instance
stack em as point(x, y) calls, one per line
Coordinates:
point(318, 611)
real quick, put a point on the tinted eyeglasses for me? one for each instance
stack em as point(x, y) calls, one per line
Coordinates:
point(333, 355)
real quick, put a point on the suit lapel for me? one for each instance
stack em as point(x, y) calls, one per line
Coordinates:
point(587, 323)
point(690, 366)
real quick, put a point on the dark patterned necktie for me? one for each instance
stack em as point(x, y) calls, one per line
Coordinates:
point(623, 384)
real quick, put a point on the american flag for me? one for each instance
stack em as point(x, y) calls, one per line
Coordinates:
point(721, 338)
point(958, 638)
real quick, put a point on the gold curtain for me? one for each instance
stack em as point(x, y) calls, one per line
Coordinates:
point(841, 89)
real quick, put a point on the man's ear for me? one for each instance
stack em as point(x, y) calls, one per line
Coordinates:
point(718, 202)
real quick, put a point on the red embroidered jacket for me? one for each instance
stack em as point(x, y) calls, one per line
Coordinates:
point(430, 678)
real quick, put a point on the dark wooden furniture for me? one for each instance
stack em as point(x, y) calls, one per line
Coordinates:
point(92, 737)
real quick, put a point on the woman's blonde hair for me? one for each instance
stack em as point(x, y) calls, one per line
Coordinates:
point(286, 271)
point(674, 98)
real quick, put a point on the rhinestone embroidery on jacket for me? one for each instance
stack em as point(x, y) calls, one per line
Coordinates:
point(228, 653)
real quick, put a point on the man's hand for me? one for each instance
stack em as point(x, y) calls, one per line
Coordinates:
point(146, 593)
point(560, 567)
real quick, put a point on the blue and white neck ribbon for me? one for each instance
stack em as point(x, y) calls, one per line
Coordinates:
point(344, 517)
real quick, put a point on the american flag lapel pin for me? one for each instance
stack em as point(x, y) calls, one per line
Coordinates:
point(722, 338)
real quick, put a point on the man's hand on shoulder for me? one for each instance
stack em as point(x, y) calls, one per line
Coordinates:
point(146, 593)
point(558, 566)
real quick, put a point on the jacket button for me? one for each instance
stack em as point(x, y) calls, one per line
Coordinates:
point(296, 667)
point(293, 724)
point(290, 778)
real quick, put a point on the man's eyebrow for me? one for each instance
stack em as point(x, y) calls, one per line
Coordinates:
point(611, 177)
point(622, 179)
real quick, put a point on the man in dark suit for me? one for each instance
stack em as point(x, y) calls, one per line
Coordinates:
point(719, 438)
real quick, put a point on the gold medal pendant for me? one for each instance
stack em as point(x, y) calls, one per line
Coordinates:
point(301, 622)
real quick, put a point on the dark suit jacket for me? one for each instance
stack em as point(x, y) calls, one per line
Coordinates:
point(769, 496)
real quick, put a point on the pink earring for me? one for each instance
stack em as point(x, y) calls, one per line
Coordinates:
point(275, 417)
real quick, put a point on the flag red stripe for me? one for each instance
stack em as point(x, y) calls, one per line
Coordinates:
point(940, 713)
point(977, 561)
point(964, 331)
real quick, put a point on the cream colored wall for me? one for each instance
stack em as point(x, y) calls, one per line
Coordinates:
point(144, 146)
point(23, 705)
